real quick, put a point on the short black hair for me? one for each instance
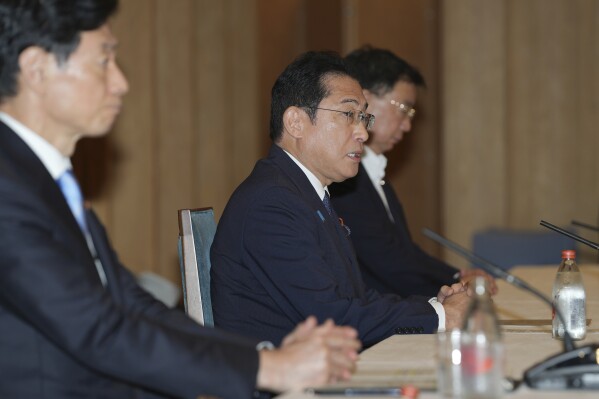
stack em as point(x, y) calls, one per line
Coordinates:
point(378, 70)
point(303, 84)
point(54, 25)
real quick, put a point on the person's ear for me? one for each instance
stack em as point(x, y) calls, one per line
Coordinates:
point(33, 64)
point(294, 119)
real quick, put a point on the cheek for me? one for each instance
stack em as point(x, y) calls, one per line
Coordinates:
point(71, 95)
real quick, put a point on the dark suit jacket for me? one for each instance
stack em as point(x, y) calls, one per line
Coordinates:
point(390, 261)
point(279, 257)
point(63, 335)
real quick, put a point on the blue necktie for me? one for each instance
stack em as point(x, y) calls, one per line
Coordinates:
point(72, 193)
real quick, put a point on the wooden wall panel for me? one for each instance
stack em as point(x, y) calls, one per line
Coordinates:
point(131, 221)
point(473, 115)
point(226, 98)
point(212, 107)
point(506, 131)
point(520, 99)
point(173, 156)
point(188, 132)
point(279, 41)
point(553, 80)
point(541, 127)
point(409, 28)
point(242, 107)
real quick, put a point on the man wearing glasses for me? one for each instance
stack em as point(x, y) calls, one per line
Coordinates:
point(280, 251)
point(389, 260)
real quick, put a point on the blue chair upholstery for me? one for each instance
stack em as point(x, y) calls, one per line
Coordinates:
point(507, 248)
point(196, 233)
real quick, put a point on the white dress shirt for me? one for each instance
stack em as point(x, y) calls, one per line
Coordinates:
point(56, 164)
point(53, 160)
point(375, 165)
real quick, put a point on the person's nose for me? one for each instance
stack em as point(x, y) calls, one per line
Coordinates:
point(118, 82)
point(406, 124)
point(361, 133)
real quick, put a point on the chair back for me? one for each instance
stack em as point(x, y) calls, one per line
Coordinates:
point(196, 233)
point(507, 248)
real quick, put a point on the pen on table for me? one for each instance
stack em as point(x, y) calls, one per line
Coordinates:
point(407, 391)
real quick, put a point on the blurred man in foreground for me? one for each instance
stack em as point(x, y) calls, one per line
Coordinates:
point(73, 322)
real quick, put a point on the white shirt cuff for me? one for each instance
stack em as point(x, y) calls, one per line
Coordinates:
point(440, 312)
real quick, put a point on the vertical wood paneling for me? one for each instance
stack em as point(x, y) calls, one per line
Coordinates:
point(409, 29)
point(243, 111)
point(281, 38)
point(211, 85)
point(131, 222)
point(474, 182)
point(587, 195)
point(545, 135)
point(173, 167)
point(546, 64)
point(324, 25)
point(518, 83)
point(188, 133)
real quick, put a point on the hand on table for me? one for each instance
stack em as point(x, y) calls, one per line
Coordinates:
point(467, 276)
point(455, 300)
point(311, 355)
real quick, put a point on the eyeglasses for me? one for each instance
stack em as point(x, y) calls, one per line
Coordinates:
point(406, 109)
point(353, 117)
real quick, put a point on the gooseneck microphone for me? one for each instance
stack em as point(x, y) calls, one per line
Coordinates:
point(498, 272)
point(574, 368)
point(571, 235)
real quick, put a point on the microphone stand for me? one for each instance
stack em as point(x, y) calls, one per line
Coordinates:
point(575, 368)
point(571, 235)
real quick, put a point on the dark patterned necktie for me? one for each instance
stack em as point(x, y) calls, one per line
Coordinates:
point(329, 207)
point(327, 203)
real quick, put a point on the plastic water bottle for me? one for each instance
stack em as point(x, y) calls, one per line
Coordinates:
point(569, 297)
point(482, 348)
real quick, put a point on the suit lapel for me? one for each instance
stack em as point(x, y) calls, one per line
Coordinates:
point(29, 172)
point(332, 225)
point(363, 180)
point(397, 211)
point(104, 253)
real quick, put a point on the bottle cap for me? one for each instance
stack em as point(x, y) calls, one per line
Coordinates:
point(569, 254)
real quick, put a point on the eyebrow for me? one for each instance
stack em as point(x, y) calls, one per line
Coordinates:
point(353, 101)
point(110, 46)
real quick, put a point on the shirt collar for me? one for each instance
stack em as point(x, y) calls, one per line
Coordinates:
point(53, 160)
point(320, 189)
point(374, 164)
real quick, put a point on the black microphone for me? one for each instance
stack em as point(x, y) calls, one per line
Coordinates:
point(571, 235)
point(575, 368)
point(585, 225)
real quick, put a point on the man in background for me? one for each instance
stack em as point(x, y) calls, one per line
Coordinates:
point(279, 252)
point(73, 322)
point(389, 259)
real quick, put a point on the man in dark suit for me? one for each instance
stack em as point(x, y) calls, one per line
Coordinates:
point(389, 259)
point(73, 322)
point(280, 252)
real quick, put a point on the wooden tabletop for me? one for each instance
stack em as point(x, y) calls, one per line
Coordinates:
point(403, 359)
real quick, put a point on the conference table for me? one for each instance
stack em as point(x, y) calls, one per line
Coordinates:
point(526, 325)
